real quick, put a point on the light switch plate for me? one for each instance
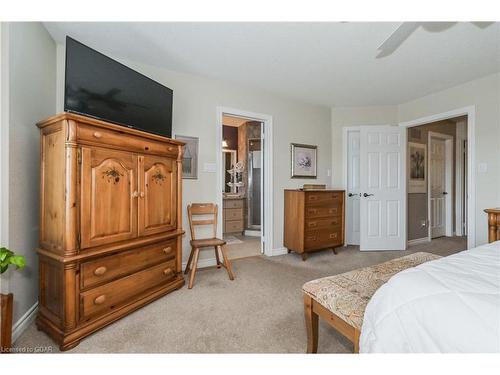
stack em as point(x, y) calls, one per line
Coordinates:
point(482, 167)
point(209, 167)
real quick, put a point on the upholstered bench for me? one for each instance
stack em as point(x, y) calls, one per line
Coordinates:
point(341, 299)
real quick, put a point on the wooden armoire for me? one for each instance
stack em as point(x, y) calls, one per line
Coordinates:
point(110, 224)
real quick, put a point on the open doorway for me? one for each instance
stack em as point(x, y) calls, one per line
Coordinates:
point(437, 182)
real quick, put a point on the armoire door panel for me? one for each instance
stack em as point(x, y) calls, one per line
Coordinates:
point(157, 194)
point(109, 194)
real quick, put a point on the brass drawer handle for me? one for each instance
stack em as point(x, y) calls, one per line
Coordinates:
point(170, 149)
point(311, 238)
point(313, 224)
point(97, 135)
point(313, 197)
point(333, 235)
point(135, 194)
point(332, 210)
point(167, 250)
point(168, 272)
point(99, 271)
point(100, 300)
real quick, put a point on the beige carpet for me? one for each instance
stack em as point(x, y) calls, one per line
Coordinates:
point(249, 246)
point(259, 312)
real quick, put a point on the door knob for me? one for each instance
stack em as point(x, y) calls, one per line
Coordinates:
point(367, 195)
point(350, 194)
point(445, 192)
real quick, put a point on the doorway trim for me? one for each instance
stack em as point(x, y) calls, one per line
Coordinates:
point(4, 145)
point(267, 202)
point(470, 112)
point(448, 142)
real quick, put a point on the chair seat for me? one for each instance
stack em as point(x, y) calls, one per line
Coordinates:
point(207, 242)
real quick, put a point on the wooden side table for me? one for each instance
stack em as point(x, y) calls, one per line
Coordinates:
point(493, 224)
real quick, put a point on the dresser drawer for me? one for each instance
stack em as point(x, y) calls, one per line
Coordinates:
point(318, 239)
point(233, 226)
point(233, 214)
point(121, 264)
point(323, 198)
point(108, 137)
point(321, 223)
point(233, 203)
point(312, 212)
point(107, 297)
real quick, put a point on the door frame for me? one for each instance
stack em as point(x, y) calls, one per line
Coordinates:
point(4, 145)
point(470, 112)
point(267, 224)
point(448, 142)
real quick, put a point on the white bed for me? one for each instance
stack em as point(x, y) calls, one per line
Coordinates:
point(450, 304)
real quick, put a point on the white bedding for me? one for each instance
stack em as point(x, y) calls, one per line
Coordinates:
point(450, 304)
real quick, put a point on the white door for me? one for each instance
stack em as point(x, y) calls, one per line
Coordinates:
point(440, 148)
point(353, 187)
point(383, 188)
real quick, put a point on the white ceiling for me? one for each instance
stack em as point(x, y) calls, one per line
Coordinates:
point(331, 64)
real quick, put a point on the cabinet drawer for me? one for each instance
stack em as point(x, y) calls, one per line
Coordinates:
point(323, 198)
point(107, 297)
point(108, 137)
point(233, 226)
point(321, 223)
point(323, 211)
point(121, 264)
point(323, 238)
point(233, 203)
point(233, 214)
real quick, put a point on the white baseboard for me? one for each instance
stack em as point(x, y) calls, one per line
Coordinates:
point(252, 233)
point(418, 241)
point(280, 251)
point(202, 263)
point(20, 326)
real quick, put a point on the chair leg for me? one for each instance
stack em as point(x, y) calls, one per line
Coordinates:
point(334, 251)
point(311, 325)
point(227, 263)
point(304, 256)
point(193, 268)
point(217, 256)
point(188, 264)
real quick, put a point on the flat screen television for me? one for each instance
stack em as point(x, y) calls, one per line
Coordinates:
point(101, 87)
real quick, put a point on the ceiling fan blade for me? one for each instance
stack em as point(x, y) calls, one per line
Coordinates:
point(397, 38)
point(482, 24)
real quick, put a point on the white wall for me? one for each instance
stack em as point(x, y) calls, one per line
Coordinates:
point(32, 96)
point(483, 93)
point(195, 102)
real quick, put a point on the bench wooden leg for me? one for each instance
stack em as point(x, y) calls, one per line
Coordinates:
point(311, 325)
point(356, 341)
point(193, 268)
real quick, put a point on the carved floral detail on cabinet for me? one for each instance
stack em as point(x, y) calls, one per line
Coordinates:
point(112, 174)
point(158, 177)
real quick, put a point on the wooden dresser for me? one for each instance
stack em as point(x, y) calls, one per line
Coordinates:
point(493, 224)
point(233, 215)
point(110, 224)
point(314, 220)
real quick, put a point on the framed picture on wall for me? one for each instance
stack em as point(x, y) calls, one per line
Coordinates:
point(189, 156)
point(417, 168)
point(304, 160)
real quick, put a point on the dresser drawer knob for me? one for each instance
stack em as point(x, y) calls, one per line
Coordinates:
point(168, 272)
point(97, 135)
point(311, 238)
point(167, 250)
point(100, 300)
point(313, 197)
point(99, 271)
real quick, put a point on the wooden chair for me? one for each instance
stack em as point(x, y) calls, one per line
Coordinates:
point(205, 209)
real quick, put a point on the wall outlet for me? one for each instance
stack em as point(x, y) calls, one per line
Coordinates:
point(482, 167)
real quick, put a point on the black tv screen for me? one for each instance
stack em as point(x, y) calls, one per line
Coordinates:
point(101, 87)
